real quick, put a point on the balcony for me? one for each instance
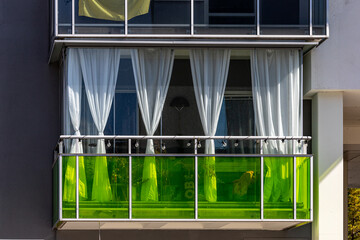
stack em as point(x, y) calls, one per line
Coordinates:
point(302, 19)
point(128, 189)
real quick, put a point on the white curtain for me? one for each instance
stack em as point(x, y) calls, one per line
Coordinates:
point(73, 90)
point(277, 88)
point(152, 71)
point(209, 68)
point(100, 70)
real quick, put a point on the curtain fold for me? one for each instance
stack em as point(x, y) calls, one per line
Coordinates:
point(276, 87)
point(100, 69)
point(209, 68)
point(73, 90)
point(152, 72)
point(112, 9)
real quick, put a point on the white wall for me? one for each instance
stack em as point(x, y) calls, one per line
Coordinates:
point(335, 64)
point(328, 166)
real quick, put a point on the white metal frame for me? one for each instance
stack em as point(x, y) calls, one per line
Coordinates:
point(262, 140)
point(192, 34)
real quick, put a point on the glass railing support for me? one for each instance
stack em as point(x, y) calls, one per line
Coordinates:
point(77, 186)
point(262, 180)
point(130, 179)
point(60, 178)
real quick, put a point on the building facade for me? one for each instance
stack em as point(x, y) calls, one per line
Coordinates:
point(177, 119)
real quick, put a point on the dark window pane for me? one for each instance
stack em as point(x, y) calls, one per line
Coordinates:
point(64, 16)
point(319, 17)
point(164, 17)
point(225, 17)
point(284, 17)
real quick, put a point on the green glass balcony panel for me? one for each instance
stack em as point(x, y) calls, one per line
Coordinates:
point(163, 187)
point(229, 187)
point(107, 180)
point(278, 188)
point(55, 191)
point(103, 187)
point(303, 188)
point(68, 187)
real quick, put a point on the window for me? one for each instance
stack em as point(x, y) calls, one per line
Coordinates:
point(236, 115)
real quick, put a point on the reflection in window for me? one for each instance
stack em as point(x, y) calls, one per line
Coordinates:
point(113, 10)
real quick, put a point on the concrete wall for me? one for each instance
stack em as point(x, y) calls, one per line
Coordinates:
point(29, 120)
point(335, 63)
point(328, 166)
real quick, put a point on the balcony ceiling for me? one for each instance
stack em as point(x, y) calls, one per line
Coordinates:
point(59, 44)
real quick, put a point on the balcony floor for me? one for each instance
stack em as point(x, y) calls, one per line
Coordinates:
point(194, 225)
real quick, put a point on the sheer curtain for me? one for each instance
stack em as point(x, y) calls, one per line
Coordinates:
point(152, 71)
point(209, 68)
point(276, 86)
point(73, 90)
point(100, 70)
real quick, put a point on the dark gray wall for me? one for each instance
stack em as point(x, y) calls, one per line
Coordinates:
point(29, 129)
point(29, 119)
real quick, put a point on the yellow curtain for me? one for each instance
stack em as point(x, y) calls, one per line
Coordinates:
point(112, 9)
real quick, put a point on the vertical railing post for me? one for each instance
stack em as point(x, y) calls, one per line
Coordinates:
point(192, 18)
point(311, 187)
point(196, 180)
point(262, 179)
point(294, 173)
point(126, 18)
point(327, 18)
point(311, 17)
point(294, 169)
point(130, 179)
point(73, 17)
point(56, 15)
point(60, 179)
point(257, 17)
point(77, 186)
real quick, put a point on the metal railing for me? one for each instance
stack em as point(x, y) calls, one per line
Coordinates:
point(192, 26)
point(261, 140)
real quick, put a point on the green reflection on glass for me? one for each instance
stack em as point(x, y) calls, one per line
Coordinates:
point(303, 188)
point(278, 188)
point(237, 183)
point(238, 188)
point(116, 205)
point(175, 188)
point(69, 187)
point(56, 192)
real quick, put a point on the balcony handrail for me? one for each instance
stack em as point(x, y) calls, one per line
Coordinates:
point(255, 14)
point(177, 137)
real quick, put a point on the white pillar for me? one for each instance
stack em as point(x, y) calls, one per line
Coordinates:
point(328, 166)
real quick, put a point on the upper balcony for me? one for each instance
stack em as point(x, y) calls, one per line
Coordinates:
point(247, 19)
